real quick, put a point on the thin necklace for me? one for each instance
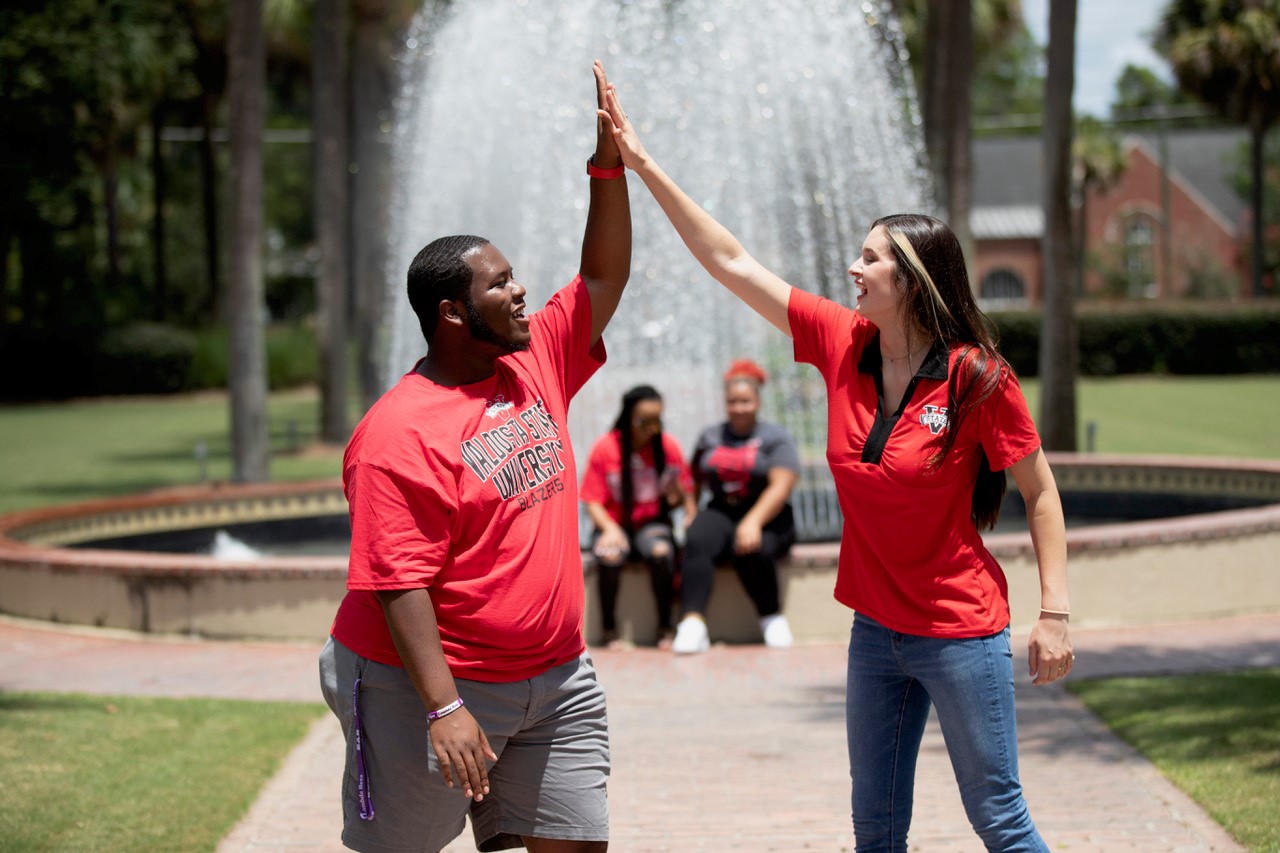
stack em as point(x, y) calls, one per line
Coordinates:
point(910, 352)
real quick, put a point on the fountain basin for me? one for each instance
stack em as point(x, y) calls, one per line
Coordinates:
point(1185, 567)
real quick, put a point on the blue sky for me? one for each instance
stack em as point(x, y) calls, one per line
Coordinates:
point(1109, 35)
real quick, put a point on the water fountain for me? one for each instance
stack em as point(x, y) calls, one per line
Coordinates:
point(790, 121)
point(797, 141)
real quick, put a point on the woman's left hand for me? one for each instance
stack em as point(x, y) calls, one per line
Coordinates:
point(1049, 654)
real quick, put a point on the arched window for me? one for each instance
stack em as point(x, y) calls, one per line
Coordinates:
point(1002, 288)
point(1140, 255)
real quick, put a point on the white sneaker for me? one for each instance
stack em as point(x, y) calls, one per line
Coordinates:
point(691, 637)
point(777, 633)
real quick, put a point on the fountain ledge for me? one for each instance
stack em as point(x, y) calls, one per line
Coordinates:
point(1189, 567)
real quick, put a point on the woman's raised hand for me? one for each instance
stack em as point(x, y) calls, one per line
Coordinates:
point(616, 121)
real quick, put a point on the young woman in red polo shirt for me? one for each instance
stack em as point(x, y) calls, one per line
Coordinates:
point(924, 418)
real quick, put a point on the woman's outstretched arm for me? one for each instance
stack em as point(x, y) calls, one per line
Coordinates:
point(711, 243)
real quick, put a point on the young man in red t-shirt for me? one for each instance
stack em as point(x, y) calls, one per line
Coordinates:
point(456, 662)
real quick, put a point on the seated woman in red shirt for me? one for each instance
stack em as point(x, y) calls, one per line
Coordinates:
point(630, 505)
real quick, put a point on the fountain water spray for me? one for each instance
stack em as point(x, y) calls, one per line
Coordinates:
point(791, 121)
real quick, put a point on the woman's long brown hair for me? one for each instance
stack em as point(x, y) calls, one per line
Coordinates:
point(939, 303)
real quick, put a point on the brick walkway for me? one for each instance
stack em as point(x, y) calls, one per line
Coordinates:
point(741, 749)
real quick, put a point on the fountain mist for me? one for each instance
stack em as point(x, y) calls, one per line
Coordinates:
point(789, 120)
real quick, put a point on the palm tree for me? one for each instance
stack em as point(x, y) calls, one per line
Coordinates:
point(377, 25)
point(1227, 53)
point(944, 41)
point(1099, 162)
point(247, 363)
point(1058, 349)
point(329, 209)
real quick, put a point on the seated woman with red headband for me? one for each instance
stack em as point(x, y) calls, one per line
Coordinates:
point(748, 467)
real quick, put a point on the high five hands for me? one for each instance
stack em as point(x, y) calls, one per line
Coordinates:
point(615, 122)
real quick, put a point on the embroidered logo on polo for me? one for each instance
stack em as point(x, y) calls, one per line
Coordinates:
point(935, 418)
point(523, 453)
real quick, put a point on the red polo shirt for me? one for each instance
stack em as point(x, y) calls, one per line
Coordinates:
point(910, 555)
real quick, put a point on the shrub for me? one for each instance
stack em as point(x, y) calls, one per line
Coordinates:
point(1183, 339)
point(143, 358)
point(291, 357)
point(44, 365)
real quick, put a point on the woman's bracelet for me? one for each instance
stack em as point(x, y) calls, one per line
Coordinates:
point(1055, 612)
point(432, 716)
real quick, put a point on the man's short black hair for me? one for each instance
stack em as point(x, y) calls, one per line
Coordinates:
point(438, 273)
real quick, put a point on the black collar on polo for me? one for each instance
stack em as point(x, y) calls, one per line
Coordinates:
point(934, 366)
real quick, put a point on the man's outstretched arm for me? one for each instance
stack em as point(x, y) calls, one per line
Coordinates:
point(606, 245)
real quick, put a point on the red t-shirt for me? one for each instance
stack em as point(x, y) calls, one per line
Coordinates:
point(470, 492)
point(602, 483)
point(910, 555)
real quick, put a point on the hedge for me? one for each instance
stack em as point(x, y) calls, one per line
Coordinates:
point(141, 358)
point(150, 358)
point(1181, 340)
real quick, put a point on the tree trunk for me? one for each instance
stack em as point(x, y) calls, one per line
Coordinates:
point(1258, 139)
point(937, 21)
point(247, 366)
point(1081, 248)
point(329, 134)
point(111, 213)
point(957, 148)
point(159, 189)
point(1058, 348)
point(371, 82)
point(209, 202)
point(7, 242)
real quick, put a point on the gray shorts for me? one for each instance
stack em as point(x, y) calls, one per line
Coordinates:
point(550, 734)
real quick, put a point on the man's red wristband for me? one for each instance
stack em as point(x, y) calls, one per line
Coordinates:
point(604, 174)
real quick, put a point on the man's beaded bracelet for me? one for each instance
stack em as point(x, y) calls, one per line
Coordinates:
point(432, 716)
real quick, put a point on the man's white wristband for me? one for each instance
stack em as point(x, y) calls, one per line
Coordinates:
point(432, 716)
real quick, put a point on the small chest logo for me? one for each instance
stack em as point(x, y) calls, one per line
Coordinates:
point(935, 418)
point(497, 406)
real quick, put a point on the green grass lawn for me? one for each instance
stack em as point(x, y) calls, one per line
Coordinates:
point(65, 452)
point(1189, 416)
point(125, 773)
point(1214, 736)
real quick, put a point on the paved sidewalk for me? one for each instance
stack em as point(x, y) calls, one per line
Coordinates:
point(741, 749)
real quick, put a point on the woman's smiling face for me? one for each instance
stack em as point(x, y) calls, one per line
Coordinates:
point(875, 279)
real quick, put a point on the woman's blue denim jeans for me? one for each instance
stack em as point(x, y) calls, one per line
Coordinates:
point(893, 679)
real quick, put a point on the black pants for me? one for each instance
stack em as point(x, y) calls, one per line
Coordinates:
point(709, 543)
point(662, 570)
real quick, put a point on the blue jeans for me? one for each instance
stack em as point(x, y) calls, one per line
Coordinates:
point(893, 679)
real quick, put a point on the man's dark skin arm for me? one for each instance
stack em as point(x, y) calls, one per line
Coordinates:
point(606, 245)
point(459, 743)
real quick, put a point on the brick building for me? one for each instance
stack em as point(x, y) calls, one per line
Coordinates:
point(1127, 249)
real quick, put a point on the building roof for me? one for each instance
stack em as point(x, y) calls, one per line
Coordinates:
point(1207, 159)
point(1008, 176)
point(1007, 222)
point(1007, 171)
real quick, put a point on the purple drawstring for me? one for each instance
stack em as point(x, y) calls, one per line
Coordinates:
point(362, 776)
